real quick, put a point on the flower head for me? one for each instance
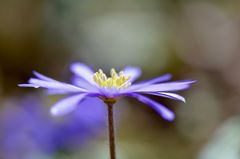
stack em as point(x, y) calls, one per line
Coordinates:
point(86, 83)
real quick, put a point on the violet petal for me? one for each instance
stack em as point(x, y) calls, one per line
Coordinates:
point(42, 77)
point(83, 71)
point(66, 105)
point(162, 110)
point(55, 85)
point(169, 86)
point(169, 95)
point(133, 72)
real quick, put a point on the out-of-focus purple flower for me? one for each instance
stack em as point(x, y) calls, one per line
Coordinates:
point(87, 83)
point(27, 129)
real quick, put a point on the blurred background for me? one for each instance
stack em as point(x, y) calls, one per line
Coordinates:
point(197, 39)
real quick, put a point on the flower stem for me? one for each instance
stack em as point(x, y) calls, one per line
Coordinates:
point(111, 130)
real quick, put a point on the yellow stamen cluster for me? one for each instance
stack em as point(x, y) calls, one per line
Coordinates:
point(117, 80)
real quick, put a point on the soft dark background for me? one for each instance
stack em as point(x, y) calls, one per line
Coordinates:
point(193, 39)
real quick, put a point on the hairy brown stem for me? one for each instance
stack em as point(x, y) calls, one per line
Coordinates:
point(111, 130)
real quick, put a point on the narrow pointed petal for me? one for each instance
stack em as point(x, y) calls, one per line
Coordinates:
point(28, 85)
point(83, 71)
point(42, 77)
point(83, 83)
point(133, 72)
point(159, 79)
point(169, 95)
point(162, 78)
point(169, 86)
point(162, 110)
point(66, 105)
point(55, 85)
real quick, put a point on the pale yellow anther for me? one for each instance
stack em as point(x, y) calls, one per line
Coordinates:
point(117, 80)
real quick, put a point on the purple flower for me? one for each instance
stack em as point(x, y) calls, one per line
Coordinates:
point(86, 83)
point(26, 128)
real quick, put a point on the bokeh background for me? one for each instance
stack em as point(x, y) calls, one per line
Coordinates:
point(192, 39)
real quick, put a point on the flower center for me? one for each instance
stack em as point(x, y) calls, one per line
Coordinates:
point(117, 80)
